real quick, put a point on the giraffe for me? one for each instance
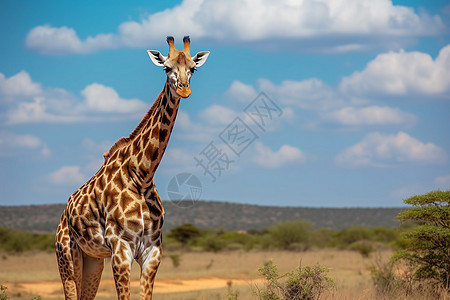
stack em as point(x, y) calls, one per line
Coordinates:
point(118, 214)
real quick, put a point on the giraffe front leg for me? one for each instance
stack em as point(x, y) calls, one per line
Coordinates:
point(70, 261)
point(149, 266)
point(121, 261)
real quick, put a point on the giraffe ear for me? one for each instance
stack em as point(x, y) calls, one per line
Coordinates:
point(200, 58)
point(157, 58)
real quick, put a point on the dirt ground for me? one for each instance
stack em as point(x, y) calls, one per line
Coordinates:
point(53, 290)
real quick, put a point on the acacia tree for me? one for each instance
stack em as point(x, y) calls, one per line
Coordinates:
point(427, 246)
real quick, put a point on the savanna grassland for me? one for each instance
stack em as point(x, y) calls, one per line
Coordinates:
point(200, 275)
point(291, 260)
point(218, 264)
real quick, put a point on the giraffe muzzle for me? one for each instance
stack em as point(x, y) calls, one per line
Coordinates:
point(183, 90)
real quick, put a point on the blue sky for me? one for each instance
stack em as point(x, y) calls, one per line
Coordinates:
point(362, 88)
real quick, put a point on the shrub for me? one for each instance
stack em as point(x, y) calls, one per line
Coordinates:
point(384, 235)
point(364, 247)
point(18, 241)
point(303, 283)
point(184, 233)
point(211, 241)
point(45, 242)
point(283, 235)
point(175, 258)
point(171, 245)
point(239, 241)
point(353, 234)
point(3, 295)
point(232, 294)
point(385, 281)
point(324, 238)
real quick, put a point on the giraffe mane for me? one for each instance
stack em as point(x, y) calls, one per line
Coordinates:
point(125, 141)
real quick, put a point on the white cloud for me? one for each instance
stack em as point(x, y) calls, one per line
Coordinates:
point(300, 25)
point(370, 115)
point(100, 98)
point(63, 40)
point(19, 84)
point(241, 92)
point(267, 158)
point(380, 150)
point(67, 175)
point(38, 111)
point(309, 94)
point(402, 73)
point(218, 115)
point(331, 105)
point(18, 144)
point(185, 129)
point(28, 102)
point(443, 182)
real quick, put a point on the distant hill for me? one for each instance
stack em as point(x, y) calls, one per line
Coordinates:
point(210, 214)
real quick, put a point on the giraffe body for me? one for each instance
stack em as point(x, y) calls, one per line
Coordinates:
point(118, 212)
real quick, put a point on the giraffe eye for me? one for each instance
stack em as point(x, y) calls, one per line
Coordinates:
point(193, 70)
point(167, 69)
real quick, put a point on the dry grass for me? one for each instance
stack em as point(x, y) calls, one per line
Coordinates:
point(199, 276)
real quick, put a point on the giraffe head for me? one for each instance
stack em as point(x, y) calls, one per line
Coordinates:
point(179, 65)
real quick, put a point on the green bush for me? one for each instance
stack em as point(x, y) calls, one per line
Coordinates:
point(324, 238)
point(170, 244)
point(211, 241)
point(353, 234)
point(364, 240)
point(364, 247)
point(18, 241)
point(175, 258)
point(384, 235)
point(184, 233)
point(3, 295)
point(284, 235)
point(239, 241)
point(303, 283)
point(232, 294)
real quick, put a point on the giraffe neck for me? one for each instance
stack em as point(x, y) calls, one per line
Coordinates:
point(141, 153)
